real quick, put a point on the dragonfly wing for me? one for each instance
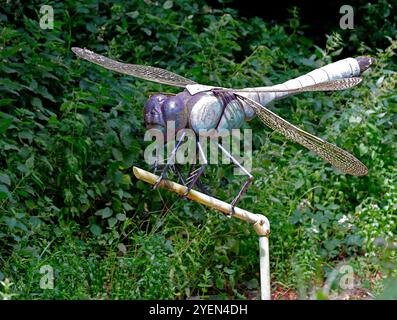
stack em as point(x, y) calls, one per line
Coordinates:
point(331, 85)
point(336, 156)
point(139, 71)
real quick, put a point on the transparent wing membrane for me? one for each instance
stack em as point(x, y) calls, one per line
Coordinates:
point(145, 72)
point(331, 85)
point(336, 156)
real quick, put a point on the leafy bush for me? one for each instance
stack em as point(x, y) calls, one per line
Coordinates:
point(69, 128)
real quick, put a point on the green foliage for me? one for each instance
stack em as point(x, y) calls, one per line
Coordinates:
point(375, 23)
point(68, 128)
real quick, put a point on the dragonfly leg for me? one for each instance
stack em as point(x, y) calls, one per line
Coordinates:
point(195, 175)
point(203, 188)
point(155, 167)
point(246, 183)
point(179, 174)
point(169, 160)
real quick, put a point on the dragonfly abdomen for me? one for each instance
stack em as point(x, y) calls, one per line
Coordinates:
point(342, 69)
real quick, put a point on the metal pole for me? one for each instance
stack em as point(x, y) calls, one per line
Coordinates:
point(264, 267)
point(260, 222)
point(263, 232)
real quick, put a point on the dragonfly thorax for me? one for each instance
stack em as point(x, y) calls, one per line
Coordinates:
point(203, 111)
point(161, 109)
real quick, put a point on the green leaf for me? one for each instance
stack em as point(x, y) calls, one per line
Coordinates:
point(36, 102)
point(133, 14)
point(95, 229)
point(91, 28)
point(43, 91)
point(127, 206)
point(147, 31)
point(220, 283)
point(30, 162)
point(355, 119)
point(26, 135)
point(333, 206)
point(104, 213)
point(229, 271)
point(112, 222)
point(4, 178)
point(22, 168)
point(363, 149)
point(121, 216)
point(331, 244)
point(299, 183)
point(252, 284)
point(122, 248)
point(4, 192)
point(117, 154)
point(6, 102)
point(295, 217)
point(168, 4)
point(4, 124)
point(126, 179)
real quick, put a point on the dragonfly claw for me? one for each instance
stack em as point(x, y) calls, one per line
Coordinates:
point(232, 210)
point(184, 196)
point(156, 185)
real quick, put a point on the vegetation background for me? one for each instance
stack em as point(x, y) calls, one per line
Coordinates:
point(68, 128)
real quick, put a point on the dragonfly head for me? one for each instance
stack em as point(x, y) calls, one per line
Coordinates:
point(162, 111)
point(153, 112)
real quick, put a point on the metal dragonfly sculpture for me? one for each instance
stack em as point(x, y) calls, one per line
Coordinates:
point(201, 107)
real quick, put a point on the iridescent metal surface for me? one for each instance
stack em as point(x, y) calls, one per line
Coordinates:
point(145, 72)
point(336, 156)
point(207, 107)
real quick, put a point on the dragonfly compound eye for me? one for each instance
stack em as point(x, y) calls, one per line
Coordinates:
point(174, 109)
point(154, 117)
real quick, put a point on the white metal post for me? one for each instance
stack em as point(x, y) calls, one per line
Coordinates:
point(264, 267)
point(262, 228)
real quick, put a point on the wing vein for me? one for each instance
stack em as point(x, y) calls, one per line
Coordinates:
point(145, 72)
point(336, 156)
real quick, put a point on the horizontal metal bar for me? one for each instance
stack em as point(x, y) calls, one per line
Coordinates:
point(260, 222)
